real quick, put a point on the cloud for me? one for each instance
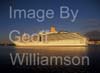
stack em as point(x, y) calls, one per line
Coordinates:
point(92, 22)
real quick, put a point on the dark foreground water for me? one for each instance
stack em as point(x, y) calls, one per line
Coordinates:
point(92, 51)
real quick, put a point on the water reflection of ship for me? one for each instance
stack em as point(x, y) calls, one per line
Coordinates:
point(51, 38)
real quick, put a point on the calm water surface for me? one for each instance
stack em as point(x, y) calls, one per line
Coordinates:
point(92, 51)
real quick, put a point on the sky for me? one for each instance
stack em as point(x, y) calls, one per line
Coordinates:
point(88, 18)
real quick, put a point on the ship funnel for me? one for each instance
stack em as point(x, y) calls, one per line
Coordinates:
point(53, 29)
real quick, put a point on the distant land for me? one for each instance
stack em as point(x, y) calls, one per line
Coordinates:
point(93, 37)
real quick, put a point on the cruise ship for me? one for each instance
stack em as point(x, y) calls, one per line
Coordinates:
point(51, 38)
